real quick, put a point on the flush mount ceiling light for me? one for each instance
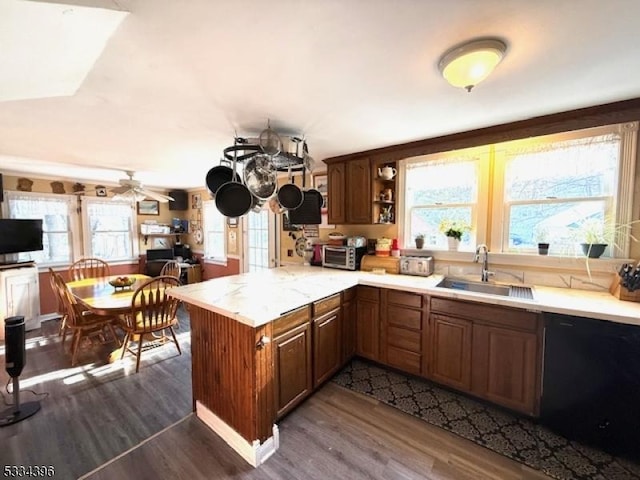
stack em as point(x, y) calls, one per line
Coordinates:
point(468, 64)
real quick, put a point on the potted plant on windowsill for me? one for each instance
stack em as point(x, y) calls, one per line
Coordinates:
point(542, 237)
point(453, 230)
point(594, 236)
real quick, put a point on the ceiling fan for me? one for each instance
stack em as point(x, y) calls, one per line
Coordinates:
point(133, 190)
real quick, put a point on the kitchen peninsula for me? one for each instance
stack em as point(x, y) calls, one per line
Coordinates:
point(262, 342)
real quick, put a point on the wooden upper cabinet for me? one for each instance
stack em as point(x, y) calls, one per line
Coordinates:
point(358, 189)
point(336, 192)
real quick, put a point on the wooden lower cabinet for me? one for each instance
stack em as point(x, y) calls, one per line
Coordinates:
point(292, 368)
point(368, 323)
point(451, 351)
point(505, 367)
point(402, 331)
point(348, 325)
point(327, 351)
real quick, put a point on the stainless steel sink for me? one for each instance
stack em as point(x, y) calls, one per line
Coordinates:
point(515, 291)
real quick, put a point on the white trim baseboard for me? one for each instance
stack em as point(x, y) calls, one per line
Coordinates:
point(255, 454)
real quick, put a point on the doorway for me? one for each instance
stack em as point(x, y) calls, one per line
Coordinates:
point(260, 242)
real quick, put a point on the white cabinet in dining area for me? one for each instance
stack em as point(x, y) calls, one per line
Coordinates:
point(19, 295)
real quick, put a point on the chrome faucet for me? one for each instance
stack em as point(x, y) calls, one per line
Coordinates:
point(483, 250)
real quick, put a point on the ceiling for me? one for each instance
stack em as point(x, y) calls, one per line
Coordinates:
point(96, 87)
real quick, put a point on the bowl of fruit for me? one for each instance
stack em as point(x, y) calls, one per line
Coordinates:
point(121, 282)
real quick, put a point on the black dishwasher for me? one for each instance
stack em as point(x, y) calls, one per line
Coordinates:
point(591, 382)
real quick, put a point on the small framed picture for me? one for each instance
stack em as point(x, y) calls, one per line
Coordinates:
point(149, 207)
point(101, 191)
point(320, 183)
point(232, 222)
point(196, 201)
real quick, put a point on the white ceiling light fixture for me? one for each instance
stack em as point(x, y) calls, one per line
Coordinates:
point(468, 64)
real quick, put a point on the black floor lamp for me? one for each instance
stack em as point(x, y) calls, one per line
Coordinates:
point(15, 359)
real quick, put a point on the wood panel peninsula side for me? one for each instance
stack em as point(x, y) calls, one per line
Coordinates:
point(263, 342)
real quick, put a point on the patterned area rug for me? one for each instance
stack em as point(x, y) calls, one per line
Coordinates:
point(508, 434)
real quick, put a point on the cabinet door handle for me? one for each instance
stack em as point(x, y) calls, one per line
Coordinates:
point(264, 340)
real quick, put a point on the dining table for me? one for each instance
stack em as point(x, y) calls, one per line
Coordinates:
point(102, 298)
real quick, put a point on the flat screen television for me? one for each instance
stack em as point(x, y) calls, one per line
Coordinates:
point(20, 235)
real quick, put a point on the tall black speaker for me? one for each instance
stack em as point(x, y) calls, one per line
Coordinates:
point(15, 360)
point(180, 200)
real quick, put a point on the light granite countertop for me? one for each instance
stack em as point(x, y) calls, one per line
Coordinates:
point(258, 298)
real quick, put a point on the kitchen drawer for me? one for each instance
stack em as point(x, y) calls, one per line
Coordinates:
point(326, 304)
point(406, 361)
point(404, 317)
point(291, 320)
point(405, 299)
point(487, 314)
point(406, 339)
point(349, 294)
point(368, 293)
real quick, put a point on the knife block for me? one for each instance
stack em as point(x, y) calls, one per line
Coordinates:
point(623, 293)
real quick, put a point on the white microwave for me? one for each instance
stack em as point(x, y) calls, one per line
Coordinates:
point(344, 257)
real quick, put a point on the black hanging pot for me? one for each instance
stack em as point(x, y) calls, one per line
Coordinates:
point(233, 199)
point(218, 176)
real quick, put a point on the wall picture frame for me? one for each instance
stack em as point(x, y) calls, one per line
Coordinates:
point(320, 183)
point(196, 201)
point(149, 207)
point(101, 191)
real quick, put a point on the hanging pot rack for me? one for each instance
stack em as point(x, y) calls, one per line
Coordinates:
point(282, 161)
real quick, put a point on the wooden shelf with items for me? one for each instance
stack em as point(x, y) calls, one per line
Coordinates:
point(145, 237)
point(383, 192)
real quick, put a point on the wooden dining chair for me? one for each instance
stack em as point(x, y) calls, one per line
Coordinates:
point(80, 322)
point(88, 268)
point(152, 311)
point(172, 269)
point(60, 306)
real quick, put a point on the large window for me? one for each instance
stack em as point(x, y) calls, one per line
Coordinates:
point(214, 231)
point(520, 193)
point(439, 189)
point(553, 189)
point(57, 224)
point(109, 229)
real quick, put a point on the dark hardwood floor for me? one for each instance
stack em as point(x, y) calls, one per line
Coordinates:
point(336, 434)
point(96, 410)
point(102, 421)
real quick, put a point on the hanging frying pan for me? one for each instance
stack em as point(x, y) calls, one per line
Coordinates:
point(218, 176)
point(233, 199)
point(289, 195)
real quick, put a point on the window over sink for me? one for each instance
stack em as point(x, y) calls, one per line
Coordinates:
point(519, 193)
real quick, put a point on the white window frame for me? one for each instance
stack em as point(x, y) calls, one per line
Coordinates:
point(86, 233)
point(219, 228)
point(620, 202)
point(479, 208)
point(491, 192)
point(73, 223)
